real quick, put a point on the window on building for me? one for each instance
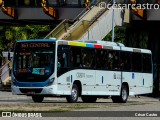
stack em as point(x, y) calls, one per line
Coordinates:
point(26, 3)
point(52, 2)
point(9, 3)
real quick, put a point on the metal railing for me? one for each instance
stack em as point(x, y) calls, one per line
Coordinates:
point(4, 72)
point(77, 18)
point(56, 28)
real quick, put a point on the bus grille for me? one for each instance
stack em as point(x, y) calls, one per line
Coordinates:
point(24, 90)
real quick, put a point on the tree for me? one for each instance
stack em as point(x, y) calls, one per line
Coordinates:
point(119, 35)
point(9, 34)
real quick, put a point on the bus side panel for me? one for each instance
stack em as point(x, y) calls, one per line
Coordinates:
point(137, 81)
point(107, 83)
point(148, 82)
point(128, 78)
point(86, 78)
point(64, 84)
point(103, 83)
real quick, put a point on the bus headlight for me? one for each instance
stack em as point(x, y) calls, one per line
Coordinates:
point(50, 81)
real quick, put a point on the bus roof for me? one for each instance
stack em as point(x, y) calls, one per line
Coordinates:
point(103, 45)
point(38, 40)
point(92, 44)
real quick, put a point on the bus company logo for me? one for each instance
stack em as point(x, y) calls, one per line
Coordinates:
point(80, 75)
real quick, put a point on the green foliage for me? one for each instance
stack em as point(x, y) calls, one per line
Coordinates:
point(119, 35)
point(9, 34)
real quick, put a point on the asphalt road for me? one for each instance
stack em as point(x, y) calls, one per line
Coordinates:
point(100, 110)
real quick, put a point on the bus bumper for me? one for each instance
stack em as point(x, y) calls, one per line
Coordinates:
point(50, 90)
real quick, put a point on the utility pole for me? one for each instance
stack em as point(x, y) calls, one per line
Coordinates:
point(113, 21)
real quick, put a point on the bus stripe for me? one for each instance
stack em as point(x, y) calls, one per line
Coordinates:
point(90, 45)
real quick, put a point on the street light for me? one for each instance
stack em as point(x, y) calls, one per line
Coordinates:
point(113, 21)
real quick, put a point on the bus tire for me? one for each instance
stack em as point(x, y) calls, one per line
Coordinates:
point(123, 97)
point(124, 94)
point(73, 98)
point(37, 98)
point(89, 99)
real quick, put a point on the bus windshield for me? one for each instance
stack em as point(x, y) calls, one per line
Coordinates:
point(33, 61)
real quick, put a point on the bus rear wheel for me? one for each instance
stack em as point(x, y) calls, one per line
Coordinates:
point(123, 97)
point(73, 98)
point(37, 98)
point(89, 99)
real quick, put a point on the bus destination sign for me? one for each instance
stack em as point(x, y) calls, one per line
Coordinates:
point(35, 45)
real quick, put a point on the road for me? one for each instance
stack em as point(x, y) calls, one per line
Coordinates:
point(9, 102)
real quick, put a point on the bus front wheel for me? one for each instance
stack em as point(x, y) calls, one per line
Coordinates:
point(37, 99)
point(123, 97)
point(73, 98)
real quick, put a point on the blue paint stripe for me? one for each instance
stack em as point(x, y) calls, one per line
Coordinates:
point(32, 84)
point(90, 45)
point(102, 79)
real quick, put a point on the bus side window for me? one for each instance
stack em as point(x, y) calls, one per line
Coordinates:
point(104, 56)
point(62, 59)
point(113, 60)
point(110, 60)
point(147, 66)
point(116, 60)
point(125, 61)
point(75, 57)
point(136, 62)
point(99, 59)
point(87, 58)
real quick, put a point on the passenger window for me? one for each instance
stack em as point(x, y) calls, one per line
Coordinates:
point(137, 62)
point(147, 66)
point(113, 60)
point(75, 57)
point(62, 59)
point(125, 61)
point(87, 58)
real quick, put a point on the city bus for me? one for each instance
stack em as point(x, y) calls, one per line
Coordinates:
point(86, 69)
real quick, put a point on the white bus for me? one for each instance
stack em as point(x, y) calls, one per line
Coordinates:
point(93, 69)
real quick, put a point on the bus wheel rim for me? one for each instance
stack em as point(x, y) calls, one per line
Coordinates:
point(124, 94)
point(74, 94)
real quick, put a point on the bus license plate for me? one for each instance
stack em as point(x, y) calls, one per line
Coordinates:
point(31, 92)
